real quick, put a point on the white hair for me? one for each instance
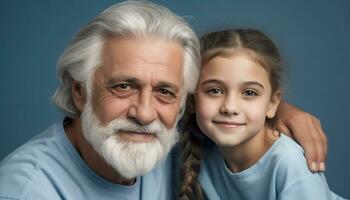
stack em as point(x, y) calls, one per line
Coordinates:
point(127, 19)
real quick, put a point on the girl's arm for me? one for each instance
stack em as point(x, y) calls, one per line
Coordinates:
point(306, 130)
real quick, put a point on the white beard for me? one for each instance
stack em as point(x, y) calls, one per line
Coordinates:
point(129, 159)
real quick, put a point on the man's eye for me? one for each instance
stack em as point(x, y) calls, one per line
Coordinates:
point(123, 86)
point(250, 93)
point(166, 92)
point(165, 95)
point(122, 89)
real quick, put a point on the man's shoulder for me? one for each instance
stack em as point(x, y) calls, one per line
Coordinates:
point(22, 181)
point(23, 168)
point(33, 150)
point(16, 177)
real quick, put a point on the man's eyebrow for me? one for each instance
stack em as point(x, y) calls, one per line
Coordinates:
point(127, 79)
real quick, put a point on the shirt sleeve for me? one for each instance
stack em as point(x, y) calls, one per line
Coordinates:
point(309, 187)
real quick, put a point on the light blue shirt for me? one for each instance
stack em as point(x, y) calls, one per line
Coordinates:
point(280, 174)
point(49, 168)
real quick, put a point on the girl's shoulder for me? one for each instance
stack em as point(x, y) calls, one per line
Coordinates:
point(287, 155)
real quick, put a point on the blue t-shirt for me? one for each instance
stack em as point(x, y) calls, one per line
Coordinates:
point(280, 174)
point(48, 167)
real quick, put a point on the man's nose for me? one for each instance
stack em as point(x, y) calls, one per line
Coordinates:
point(143, 109)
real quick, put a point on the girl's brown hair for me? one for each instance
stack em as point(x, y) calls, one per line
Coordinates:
point(223, 43)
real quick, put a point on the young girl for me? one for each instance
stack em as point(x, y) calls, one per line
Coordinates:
point(236, 100)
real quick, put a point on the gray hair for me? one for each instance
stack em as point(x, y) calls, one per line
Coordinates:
point(83, 55)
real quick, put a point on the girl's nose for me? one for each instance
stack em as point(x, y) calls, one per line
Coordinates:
point(229, 106)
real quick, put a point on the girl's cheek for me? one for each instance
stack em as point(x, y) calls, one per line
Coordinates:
point(257, 112)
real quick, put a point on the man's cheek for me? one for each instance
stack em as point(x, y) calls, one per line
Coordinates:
point(169, 116)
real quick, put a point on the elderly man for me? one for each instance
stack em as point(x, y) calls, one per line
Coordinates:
point(124, 82)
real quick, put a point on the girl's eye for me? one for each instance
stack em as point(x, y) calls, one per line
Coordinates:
point(250, 93)
point(215, 91)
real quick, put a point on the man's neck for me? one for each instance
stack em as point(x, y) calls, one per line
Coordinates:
point(75, 135)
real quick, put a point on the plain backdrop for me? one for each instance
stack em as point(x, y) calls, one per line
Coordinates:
point(313, 37)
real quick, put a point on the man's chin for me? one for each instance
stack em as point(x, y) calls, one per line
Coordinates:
point(132, 159)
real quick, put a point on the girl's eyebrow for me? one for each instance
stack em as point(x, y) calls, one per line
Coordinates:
point(221, 82)
point(212, 81)
point(253, 83)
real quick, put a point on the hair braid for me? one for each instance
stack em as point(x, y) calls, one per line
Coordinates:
point(190, 188)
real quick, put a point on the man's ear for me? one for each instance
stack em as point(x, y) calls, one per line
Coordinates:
point(78, 94)
point(275, 100)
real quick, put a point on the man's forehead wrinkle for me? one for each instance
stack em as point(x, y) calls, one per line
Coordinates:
point(117, 61)
point(154, 61)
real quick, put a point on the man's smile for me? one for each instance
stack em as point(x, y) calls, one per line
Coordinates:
point(135, 136)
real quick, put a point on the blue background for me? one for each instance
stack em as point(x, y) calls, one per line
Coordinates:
point(313, 37)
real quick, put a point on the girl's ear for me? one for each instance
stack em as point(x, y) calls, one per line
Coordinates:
point(275, 100)
point(78, 95)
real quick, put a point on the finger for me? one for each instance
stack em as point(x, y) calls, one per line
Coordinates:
point(276, 133)
point(310, 154)
point(315, 152)
point(310, 141)
point(282, 128)
point(320, 157)
point(321, 145)
point(323, 136)
point(320, 153)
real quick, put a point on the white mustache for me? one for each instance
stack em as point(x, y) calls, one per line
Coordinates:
point(155, 128)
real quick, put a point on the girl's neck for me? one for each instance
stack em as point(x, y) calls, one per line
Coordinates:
point(246, 154)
